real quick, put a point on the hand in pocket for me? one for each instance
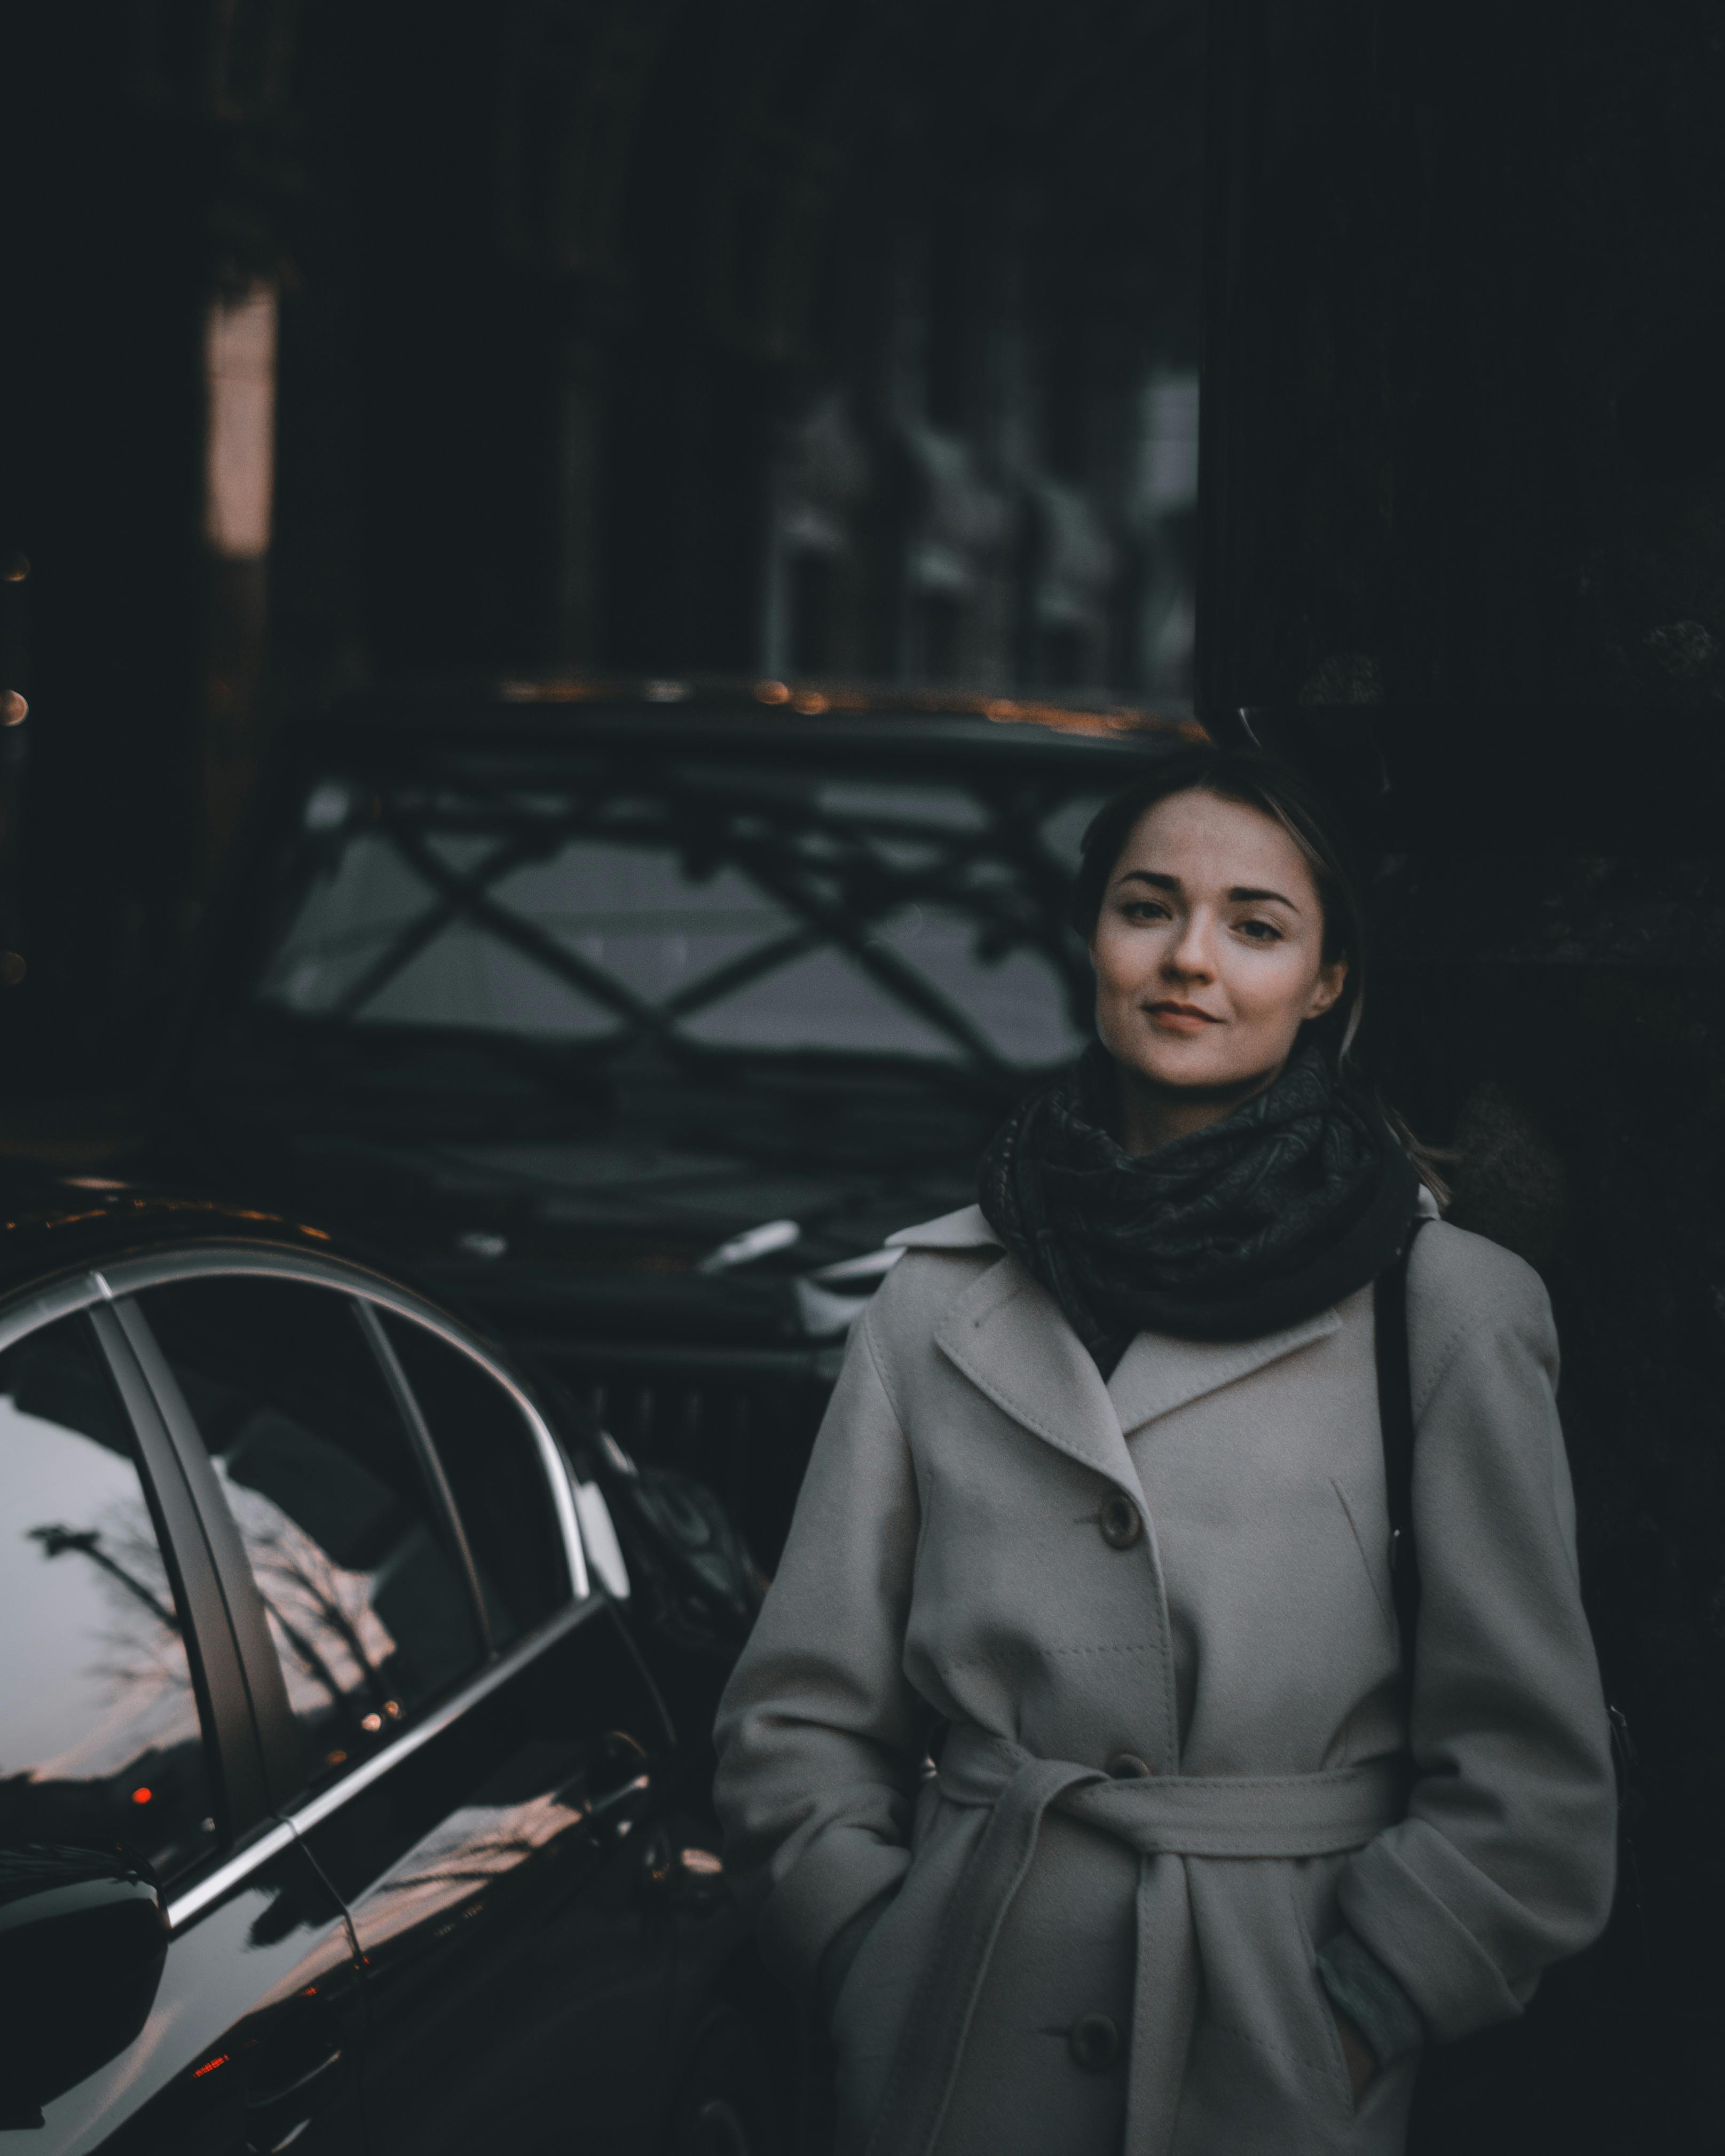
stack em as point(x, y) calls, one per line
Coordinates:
point(1362, 2065)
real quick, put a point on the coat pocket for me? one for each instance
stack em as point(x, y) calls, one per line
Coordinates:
point(879, 1990)
point(1320, 1999)
point(1377, 1568)
point(1266, 2077)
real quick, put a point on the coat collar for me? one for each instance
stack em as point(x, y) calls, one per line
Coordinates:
point(966, 1230)
point(1009, 1337)
point(1157, 1373)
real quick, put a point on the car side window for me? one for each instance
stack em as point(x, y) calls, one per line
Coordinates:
point(496, 1475)
point(99, 1737)
point(366, 1598)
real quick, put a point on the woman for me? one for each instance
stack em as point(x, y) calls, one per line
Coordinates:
point(1071, 1752)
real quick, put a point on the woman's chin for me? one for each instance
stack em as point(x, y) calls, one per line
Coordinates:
point(1173, 1066)
point(1198, 1076)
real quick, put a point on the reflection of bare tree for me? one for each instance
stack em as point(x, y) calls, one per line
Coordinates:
point(128, 1559)
point(293, 1575)
point(150, 1711)
point(57, 1541)
point(330, 1636)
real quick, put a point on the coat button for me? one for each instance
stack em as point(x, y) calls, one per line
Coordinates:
point(1094, 2042)
point(1120, 1524)
point(1128, 1767)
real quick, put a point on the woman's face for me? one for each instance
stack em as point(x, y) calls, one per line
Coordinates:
point(1208, 949)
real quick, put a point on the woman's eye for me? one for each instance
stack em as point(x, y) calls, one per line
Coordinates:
point(1145, 909)
point(1261, 932)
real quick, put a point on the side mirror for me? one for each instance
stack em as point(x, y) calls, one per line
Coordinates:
point(83, 1941)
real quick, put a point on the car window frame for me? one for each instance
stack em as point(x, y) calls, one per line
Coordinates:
point(540, 1432)
point(282, 1822)
point(431, 1464)
point(128, 1275)
point(234, 1762)
point(266, 1686)
point(278, 1727)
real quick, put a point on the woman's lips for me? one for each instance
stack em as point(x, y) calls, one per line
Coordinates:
point(1182, 1018)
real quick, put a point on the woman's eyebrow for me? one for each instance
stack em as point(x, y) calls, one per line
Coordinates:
point(1241, 895)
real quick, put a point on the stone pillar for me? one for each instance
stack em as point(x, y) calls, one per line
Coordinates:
point(239, 498)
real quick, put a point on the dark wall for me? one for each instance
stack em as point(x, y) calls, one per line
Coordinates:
point(1464, 323)
point(1463, 548)
point(98, 487)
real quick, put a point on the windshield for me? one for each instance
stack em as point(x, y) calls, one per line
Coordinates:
point(700, 908)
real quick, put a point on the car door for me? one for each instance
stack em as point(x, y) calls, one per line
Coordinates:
point(124, 1721)
point(480, 1751)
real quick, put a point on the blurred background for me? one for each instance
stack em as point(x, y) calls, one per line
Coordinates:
point(613, 336)
point(876, 344)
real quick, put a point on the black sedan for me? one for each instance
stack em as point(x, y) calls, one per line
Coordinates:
point(340, 1809)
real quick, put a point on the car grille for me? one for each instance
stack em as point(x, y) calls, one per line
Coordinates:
point(744, 1423)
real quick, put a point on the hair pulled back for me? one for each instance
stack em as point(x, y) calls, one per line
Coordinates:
point(1278, 790)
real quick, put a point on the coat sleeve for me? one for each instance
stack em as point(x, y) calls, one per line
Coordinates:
point(1506, 1862)
point(820, 1737)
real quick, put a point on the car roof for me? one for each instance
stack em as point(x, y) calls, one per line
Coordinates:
point(54, 1224)
point(762, 717)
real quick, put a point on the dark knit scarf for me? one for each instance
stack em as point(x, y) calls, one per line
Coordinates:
point(1271, 1215)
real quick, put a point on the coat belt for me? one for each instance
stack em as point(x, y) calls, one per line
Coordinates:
point(1174, 1815)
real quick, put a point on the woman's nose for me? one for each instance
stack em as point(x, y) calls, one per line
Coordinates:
point(1191, 954)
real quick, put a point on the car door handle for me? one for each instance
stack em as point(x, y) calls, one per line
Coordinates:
point(624, 1798)
point(268, 2141)
point(275, 2147)
point(623, 1771)
point(266, 2100)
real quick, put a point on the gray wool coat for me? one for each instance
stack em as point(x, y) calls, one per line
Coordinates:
point(1146, 1628)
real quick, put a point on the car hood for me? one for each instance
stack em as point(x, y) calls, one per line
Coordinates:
point(630, 1208)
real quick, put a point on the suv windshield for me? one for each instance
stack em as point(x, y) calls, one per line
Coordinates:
point(700, 908)
point(634, 984)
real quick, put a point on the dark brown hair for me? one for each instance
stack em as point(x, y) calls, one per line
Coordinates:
point(1279, 791)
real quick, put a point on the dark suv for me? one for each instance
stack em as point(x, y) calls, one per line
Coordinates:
point(636, 1021)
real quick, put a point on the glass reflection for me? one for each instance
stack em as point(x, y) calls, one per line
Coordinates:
point(365, 1598)
point(448, 1876)
point(100, 1740)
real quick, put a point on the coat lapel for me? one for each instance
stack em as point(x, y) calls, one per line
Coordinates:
point(1006, 1334)
point(1158, 1374)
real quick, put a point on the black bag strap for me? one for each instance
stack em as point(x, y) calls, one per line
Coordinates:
point(1396, 1416)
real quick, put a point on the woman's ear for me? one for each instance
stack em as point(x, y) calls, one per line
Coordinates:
point(1327, 987)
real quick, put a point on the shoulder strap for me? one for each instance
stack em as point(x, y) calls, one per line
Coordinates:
point(1396, 1416)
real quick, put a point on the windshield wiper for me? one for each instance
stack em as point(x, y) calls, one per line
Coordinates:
point(753, 1243)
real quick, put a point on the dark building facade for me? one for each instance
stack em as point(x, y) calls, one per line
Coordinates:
point(628, 335)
